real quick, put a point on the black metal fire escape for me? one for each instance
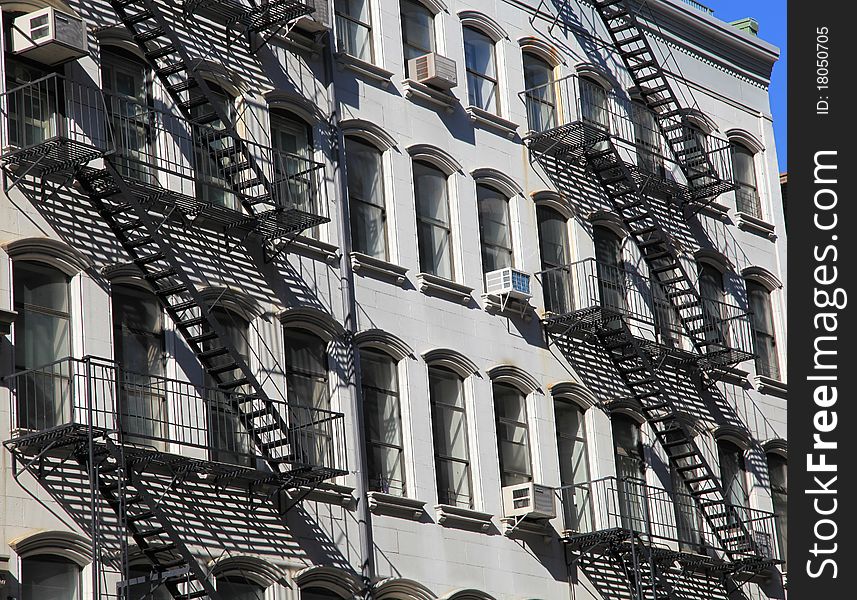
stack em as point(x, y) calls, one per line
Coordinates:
point(633, 358)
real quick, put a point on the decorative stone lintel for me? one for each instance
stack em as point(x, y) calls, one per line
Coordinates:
point(491, 121)
point(7, 317)
point(396, 506)
point(510, 307)
point(755, 225)
point(438, 98)
point(361, 67)
point(432, 284)
point(772, 387)
point(363, 264)
point(464, 518)
point(312, 248)
point(331, 493)
point(514, 527)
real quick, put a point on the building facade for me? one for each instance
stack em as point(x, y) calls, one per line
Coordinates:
point(390, 299)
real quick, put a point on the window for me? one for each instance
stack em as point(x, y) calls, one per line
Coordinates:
point(214, 153)
point(495, 231)
point(573, 465)
point(778, 473)
point(32, 108)
point(630, 471)
point(229, 441)
point(593, 104)
point(767, 357)
point(689, 523)
point(481, 64)
point(236, 587)
point(611, 271)
point(733, 473)
point(744, 169)
point(449, 425)
point(417, 30)
point(647, 138)
point(42, 338)
point(354, 29)
point(141, 579)
point(555, 255)
point(366, 197)
point(540, 94)
point(291, 139)
point(712, 292)
point(46, 577)
point(433, 226)
point(513, 435)
point(694, 154)
point(138, 339)
point(308, 392)
point(384, 445)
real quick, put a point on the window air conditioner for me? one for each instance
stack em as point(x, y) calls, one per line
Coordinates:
point(49, 36)
point(508, 281)
point(528, 500)
point(434, 69)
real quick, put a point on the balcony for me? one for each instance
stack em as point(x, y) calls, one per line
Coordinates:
point(167, 422)
point(571, 114)
point(55, 125)
point(589, 297)
point(622, 511)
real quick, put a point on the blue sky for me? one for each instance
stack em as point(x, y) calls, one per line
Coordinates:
point(771, 16)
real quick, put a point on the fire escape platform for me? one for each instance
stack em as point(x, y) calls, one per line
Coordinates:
point(272, 13)
point(53, 155)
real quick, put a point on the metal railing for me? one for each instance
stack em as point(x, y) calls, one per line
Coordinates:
point(699, 6)
point(169, 415)
point(624, 291)
point(632, 126)
point(670, 517)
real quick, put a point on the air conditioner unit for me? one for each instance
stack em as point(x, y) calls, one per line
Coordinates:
point(508, 281)
point(528, 500)
point(434, 69)
point(49, 36)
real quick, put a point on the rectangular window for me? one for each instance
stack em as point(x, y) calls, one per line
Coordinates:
point(449, 424)
point(433, 227)
point(417, 30)
point(479, 58)
point(767, 357)
point(573, 466)
point(513, 435)
point(366, 198)
point(495, 231)
point(555, 255)
point(384, 446)
point(744, 169)
point(540, 93)
point(354, 29)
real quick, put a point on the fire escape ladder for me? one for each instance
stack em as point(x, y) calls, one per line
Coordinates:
point(148, 524)
point(642, 378)
point(136, 221)
point(685, 142)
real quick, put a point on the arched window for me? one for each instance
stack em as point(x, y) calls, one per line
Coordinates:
point(593, 103)
point(712, 292)
point(229, 441)
point(767, 356)
point(555, 253)
point(42, 338)
point(354, 29)
point(433, 220)
point(481, 65)
point(449, 426)
point(291, 140)
point(45, 576)
point(733, 473)
point(611, 269)
point(383, 418)
point(212, 184)
point(513, 434)
point(630, 471)
point(540, 93)
point(647, 138)
point(573, 465)
point(778, 474)
point(144, 582)
point(744, 169)
point(236, 587)
point(495, 229)
point(138, 342)
point(418, 36)
point(366, 198)
point(307, 376)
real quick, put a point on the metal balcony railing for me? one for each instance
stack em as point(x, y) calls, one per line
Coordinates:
point(575, 290)
point(632, 126)
point(666, 517)
point(98, 397)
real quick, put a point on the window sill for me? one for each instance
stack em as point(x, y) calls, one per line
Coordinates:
point(368, 266)
point(509, 307)
point(715, 210)
point(513, 528)
point(438, 286)
point(312, 248)
point(489, 120)
point(463, 518)
point(771, 387)
point(438, 98)
point(330, 493)
point(395, 506)
point(366, 69)
point(7, 317)
point(755, 225)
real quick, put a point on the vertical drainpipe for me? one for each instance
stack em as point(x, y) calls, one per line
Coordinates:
point(349, 307)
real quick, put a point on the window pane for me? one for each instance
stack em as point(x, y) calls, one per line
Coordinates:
point(482, 71)
point(540, 96)
point(433, 220)
point(513, 442)
point(417, 29)
point(733, 473)
point(383, 422)
point(239, 588)
point(366, 194)
point(41, 286)
point(494, 229)
point(49, 578)
point(354, 34)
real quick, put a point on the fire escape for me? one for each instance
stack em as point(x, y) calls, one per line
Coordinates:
point(650, 161)
point(148, 173)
